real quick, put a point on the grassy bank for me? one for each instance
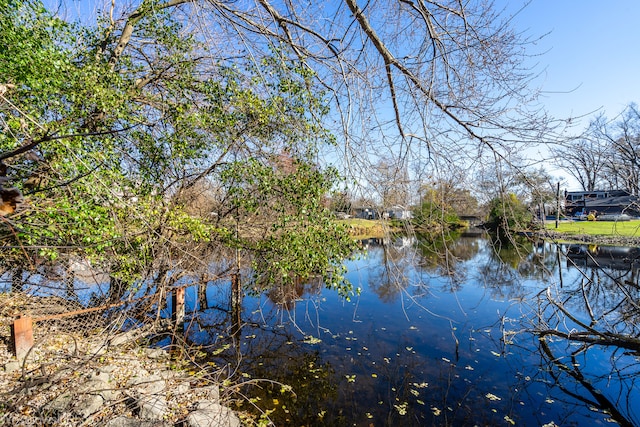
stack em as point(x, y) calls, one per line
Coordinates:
point(630, 229)
point(367, 228)
point(607, 231)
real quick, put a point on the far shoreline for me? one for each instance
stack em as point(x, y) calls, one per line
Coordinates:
point(608, 240)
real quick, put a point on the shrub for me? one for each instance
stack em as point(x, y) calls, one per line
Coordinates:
point(433, 215)
point(508, 213)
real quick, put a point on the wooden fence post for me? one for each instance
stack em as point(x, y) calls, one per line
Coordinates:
point(202, 302)
point(236, 305)
point(22, 335)
point(178, 307)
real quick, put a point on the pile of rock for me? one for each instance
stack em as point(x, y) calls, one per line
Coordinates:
point(114, 387)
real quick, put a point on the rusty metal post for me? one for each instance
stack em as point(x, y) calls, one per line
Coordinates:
point(178, 307)
point(22, 335)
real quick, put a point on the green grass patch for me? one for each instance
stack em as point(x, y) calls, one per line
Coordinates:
point(365, 228)
point(597, 228)
point(359, 222)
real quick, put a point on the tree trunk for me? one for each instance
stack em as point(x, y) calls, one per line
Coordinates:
point(236, 309)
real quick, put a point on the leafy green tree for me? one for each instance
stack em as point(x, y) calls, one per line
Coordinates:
point(434, 214)
point(107, 126)
point(106, 136)
point(293, 236)
point(79, 143)
point(508, 214)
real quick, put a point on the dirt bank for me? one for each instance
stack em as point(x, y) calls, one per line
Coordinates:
point(590, 239)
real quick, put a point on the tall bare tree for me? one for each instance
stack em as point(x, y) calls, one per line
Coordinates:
point(446, 76)
point(623, 139)
point(390, 183)
point(585, 159)
point(170, 92)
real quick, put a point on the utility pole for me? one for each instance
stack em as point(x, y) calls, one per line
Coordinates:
point(558, 204)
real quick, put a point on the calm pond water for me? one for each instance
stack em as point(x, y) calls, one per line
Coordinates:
point(438, 336)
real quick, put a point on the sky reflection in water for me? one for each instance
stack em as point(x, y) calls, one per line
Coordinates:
point(417, 347)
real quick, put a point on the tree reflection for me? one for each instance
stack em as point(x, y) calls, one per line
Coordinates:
point(286, 295)
point(310, 385)
point(580, 363)
point(441, 254)
point(509, 263)
point(591, 321)
point(591, 389)
point(391, 274)
point(444, 256)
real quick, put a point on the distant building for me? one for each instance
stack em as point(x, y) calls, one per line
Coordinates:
point(366, 213)
point(400, 212)
point(609, 202)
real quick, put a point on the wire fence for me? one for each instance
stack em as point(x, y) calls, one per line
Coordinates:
point(67, 326)
point(74, 296)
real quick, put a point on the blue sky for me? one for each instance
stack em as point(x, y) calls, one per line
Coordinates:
point(592, 51)
point(590, 58)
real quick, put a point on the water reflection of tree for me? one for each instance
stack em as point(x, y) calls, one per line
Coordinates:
point(531, 259)
point(401, 256)
point(589, 318)
point(443, 256)
point(391, 275)
point(313, 385)
point(285, 295)
point(594, 317)
point(350, 390)
point(283, 374)
point(591, 390)
point(508, 263)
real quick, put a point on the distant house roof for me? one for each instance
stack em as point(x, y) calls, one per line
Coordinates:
point(579, 196)
point(400, 212)
point(617, 204)
point(612, 201)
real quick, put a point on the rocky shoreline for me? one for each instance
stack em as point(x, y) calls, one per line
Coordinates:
point(75, 381)
point(589, 239)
